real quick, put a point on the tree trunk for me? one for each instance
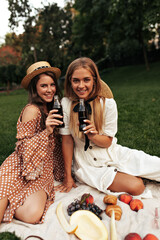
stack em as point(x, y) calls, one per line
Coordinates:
point(145, 57)
point(8, 87)
point(144, 51)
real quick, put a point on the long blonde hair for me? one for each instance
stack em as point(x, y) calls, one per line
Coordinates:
point(97, 110)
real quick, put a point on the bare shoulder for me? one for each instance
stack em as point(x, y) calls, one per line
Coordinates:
point(30, 112)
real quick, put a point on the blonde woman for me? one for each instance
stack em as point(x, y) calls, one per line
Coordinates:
point(102, 164)
point(26, 176)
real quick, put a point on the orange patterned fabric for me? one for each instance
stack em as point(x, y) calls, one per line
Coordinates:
point(30, 167)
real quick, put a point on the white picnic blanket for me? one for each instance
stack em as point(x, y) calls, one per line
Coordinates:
point(141, 222)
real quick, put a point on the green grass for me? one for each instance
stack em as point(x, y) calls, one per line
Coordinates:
point(137, 93)
point(10, 108)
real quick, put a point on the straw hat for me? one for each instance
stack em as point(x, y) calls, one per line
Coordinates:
point(36, 69)
point(105, 90)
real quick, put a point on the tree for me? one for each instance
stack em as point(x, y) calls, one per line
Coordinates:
point(46, 34)
point(8, 55)
point(130, 27)
point(9, 60)
point(19, 10)
point(89, 28)
point(55, 29)
point(114, 29)
point(15, 41)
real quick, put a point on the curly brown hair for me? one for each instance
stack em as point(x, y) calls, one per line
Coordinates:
point(35, 99)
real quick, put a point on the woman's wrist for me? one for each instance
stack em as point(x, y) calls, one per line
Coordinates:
point(101, 140)
point(49, 132)
point(68, 175)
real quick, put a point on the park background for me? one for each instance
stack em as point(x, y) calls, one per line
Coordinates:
point(121, 36)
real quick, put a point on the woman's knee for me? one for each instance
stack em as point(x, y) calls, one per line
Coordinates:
point(34, 214)
point(137, 187)
point(30, 214)
point(3, 206)
point(32, 209)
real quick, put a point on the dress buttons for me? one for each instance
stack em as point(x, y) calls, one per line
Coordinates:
point(95, 159)
point(115, 170)
point(90, 147)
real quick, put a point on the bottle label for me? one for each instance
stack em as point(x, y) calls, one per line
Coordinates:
point(58, 107)
point(82, 124)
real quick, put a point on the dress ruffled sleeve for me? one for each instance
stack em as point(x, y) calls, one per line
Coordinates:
point(32, 146)
point(110, 118)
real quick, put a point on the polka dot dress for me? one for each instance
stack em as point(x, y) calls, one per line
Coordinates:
point(30, 167)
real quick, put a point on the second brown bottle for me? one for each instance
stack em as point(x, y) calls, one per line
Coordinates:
point(58, 107)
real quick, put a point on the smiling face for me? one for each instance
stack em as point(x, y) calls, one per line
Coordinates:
point(82, 82)
point(46, 88)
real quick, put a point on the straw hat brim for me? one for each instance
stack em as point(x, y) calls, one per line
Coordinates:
point(26, 80)
point(105, 90)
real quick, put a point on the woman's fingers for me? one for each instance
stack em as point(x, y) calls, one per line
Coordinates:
point(53, 122)
point(53, 111)
point(90, 128)
point(54, 114)
point(56, 188)
point(53, 118)
point(65, 187)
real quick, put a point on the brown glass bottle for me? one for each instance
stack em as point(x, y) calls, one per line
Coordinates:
point(58, 107)
point(82, 115)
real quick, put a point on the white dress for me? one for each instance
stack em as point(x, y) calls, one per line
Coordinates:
point(98, 166)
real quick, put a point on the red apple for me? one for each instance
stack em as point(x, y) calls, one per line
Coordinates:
point(136, 205)
point(133, 236)
point(150, 237)
point(126, 198)
point(88, 198)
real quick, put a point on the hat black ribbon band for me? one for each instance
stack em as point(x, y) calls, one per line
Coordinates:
point(89, 111)
point(41, 67)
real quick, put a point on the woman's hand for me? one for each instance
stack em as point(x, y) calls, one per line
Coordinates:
point(93, 135)
point(66, 186)
point(90, 129)
point(52, 121)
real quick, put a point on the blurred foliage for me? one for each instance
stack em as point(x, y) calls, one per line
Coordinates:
point(115, 30)
point(8, 236)
point(8, 55)
point(19, 10)
point(48, 36)
point(47, 32)
point(90, 28)
point(132, 25)
point(11, 76)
